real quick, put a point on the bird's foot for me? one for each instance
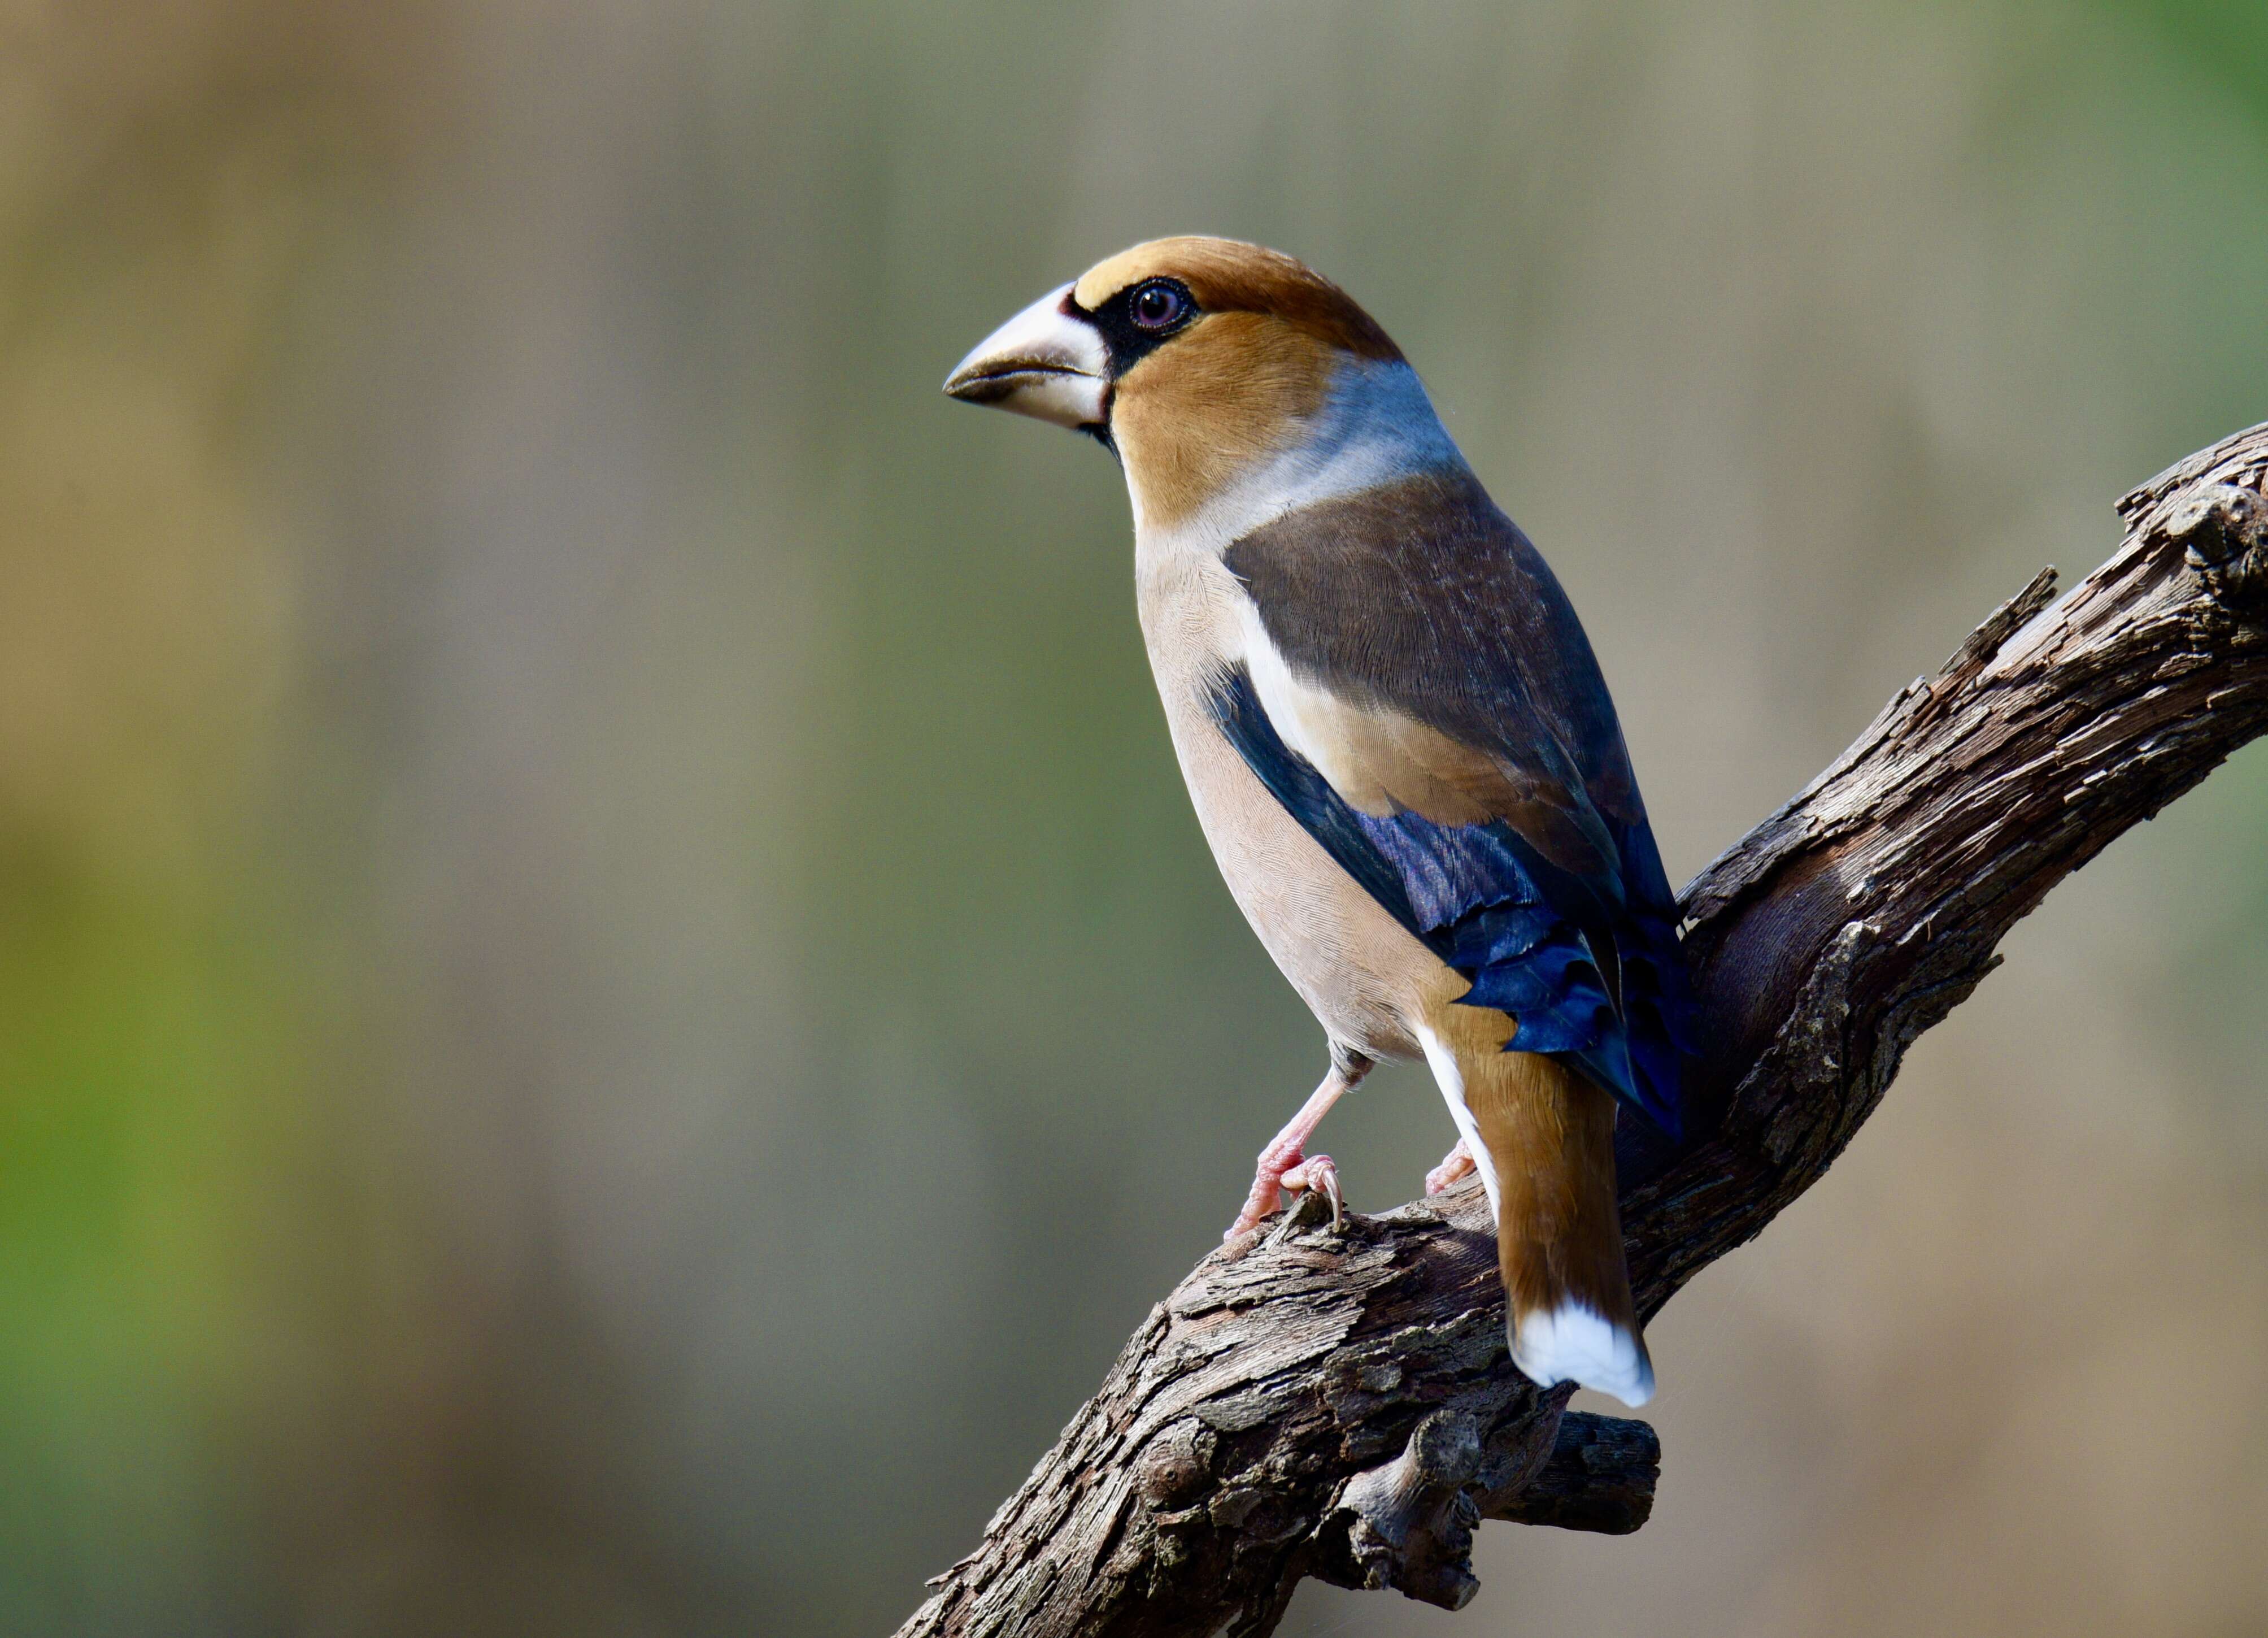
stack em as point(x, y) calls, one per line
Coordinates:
point(1455, 1166)
point(1285, 1167)
point(1318, 1172)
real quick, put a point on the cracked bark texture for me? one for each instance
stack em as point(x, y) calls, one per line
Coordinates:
point(1338, 1402)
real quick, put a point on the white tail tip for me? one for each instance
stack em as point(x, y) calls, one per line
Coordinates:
point(1570, 1343)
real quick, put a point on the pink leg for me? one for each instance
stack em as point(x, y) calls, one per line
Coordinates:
point(1286, 1164)
point(1455, 1166)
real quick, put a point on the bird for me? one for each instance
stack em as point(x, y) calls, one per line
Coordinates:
point(1399, 744)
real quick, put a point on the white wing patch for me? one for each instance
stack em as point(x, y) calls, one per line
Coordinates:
point(1379, 761)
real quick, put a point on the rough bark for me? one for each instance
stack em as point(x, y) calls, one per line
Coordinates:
point(1336, 1402)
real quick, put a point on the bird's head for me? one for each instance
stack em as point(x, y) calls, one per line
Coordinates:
point(1211, 367)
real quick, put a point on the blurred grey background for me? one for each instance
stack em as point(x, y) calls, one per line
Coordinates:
point(610, 1004)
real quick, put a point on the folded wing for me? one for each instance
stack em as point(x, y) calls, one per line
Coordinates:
point(1421, 698)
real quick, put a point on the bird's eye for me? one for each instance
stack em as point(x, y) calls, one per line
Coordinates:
point(1156, 306)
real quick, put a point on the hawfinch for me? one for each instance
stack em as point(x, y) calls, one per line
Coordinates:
point(1398, 743)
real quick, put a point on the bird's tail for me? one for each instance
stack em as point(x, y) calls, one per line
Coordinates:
point(1546, 1150)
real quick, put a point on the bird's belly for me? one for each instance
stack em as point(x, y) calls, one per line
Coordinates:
point(1363, 975)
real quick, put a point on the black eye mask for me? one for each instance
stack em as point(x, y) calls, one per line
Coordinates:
point(1139, 319)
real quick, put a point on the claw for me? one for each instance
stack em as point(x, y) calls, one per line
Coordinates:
point(1318, 1171)
point(1287, 1170)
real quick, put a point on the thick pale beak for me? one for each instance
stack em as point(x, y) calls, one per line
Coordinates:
point(1047, 362)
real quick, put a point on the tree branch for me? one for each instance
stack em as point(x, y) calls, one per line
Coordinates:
point(1337, 1402)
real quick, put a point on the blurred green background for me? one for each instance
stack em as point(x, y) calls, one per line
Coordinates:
point(609, 1003)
